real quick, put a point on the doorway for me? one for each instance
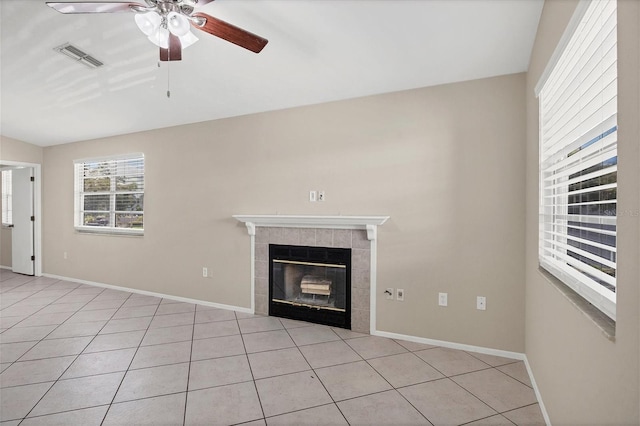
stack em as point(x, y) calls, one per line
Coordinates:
point(25, 232)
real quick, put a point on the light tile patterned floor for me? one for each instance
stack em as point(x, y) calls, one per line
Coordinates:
point(74, 354)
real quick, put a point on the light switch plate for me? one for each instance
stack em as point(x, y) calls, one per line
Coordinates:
point(442, 299)
point(481, 303)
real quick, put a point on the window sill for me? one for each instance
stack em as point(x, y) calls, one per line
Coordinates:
point(606, 325)
point(124, 232)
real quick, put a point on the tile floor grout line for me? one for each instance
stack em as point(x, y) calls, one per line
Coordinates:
point(62, 412)
point(130, 362)
point(53, 303)
point(65, 370)
point(21, 300)
point(316, 373)
point(474, 395)
point(34, 313)
point(393, 387)
point(253, 377)
point(309, 408)
point(49, 304)
point(514, 378)
point(473, 354)
point(519, 408)
point(487, 404)
point(469, 372)
point(158, 315)
point(369, 394)
point(186, 393)
point(444, 377)
point(21, 419)
point(488, 417)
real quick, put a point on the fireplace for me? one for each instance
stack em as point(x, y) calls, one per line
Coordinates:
point(355, 233)
point(310, 284)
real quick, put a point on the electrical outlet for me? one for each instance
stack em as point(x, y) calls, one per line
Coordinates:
point(64, 255)
point(320, 195)
point(205, 272)
point(400, 295)
point(312, 196)
point(442, 299)
point(389, 293)
point(481, 303)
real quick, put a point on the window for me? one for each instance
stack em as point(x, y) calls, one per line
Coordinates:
point(578, 157)
point(7, 198)
point(109, 194)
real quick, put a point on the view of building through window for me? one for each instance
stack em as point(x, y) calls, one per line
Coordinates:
point(579, 158)
point(595, 196)
point(110, 193)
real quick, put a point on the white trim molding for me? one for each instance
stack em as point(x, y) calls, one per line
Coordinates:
point(368, 223)
point(37, 211)
point(442, 343)
point(579, 12)
point(476, 349)
point(547, 419)
point(152, 293)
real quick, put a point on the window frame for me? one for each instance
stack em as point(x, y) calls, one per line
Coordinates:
point(79, 201)
point(7, 198)
point(597, 294)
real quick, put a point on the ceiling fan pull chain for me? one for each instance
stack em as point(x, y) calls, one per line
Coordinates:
point(168, 81)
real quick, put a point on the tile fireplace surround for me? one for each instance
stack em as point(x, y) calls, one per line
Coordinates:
point(358, 233)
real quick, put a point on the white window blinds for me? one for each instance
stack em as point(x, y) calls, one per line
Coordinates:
point(109, 194)
point(578, 159)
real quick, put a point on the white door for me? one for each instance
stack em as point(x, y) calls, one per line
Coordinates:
point(22, 234)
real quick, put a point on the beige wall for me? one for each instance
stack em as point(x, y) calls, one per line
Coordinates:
point(584, 377)
point(15, 150)
point(5, 248)
point(18, 151)
point(446, 163)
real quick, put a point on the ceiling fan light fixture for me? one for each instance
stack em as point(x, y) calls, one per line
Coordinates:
point(148, 22)
point(167, 23)
point(160, 38)
point(188, 39)
point(178, 24)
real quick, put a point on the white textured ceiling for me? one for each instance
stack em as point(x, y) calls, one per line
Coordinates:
point(318, 51)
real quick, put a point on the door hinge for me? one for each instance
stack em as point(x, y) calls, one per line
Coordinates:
point(33, 258)
point(33, 218)
point(33, 179)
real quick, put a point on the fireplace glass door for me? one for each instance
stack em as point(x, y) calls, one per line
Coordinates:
point(310, 284)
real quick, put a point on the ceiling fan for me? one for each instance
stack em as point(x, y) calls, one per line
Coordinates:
point(167, 23)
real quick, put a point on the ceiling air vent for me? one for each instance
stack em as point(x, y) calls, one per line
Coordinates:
point(78, 55)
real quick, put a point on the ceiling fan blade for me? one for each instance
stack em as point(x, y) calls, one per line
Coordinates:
point(92, 7)
point(174, 52)
point(231, 33)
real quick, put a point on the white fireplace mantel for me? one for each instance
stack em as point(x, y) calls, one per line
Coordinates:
point(369, 223)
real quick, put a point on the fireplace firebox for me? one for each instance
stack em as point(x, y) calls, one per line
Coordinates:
point(310, 284)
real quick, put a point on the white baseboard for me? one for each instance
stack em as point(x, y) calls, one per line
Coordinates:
point(5, 267)
point(452, 345)
point(153, 293)
point(478, 349)
point(547, 420)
